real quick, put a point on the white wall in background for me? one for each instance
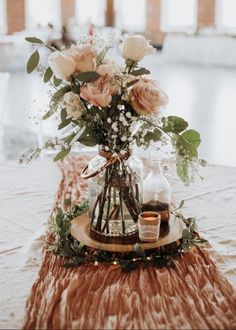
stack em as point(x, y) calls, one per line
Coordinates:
point(131, 15)
point(178, 15)
point(3, 17)
point(42, 12)
point(90, 11)
point(226, 15)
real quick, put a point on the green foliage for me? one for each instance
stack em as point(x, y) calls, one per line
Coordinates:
point(102, 55)
point(88, 137)
point(77, 253)
point(87, 76)
point(187, 144)
point(57, 82)
point(181, 204)
point(69, 138)
point(152, 134)
point(174, 124)
point(182, 169)
point(34, 40)
point(47, 75)
point(131, 83)
point(139, 250)
point(62, 154)
point(65, 123)
point(33, 62)
point(55, 99)
point(192, 137)
point(140, 72)
point(190, 238)
point(63, 114)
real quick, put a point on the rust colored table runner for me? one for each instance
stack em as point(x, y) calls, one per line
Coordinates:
point(191, 295)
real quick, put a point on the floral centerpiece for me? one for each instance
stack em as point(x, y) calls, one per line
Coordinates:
point(112, 106)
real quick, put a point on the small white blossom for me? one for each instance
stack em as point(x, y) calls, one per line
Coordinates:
point(109, 120)
point(123, 138)
point(121, 118)
point(120, 107)
point(114, 126)
point(128, 114)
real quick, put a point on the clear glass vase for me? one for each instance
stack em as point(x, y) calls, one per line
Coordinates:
point(115, 197)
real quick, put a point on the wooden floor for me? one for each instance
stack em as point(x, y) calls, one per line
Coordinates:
point(205, 96)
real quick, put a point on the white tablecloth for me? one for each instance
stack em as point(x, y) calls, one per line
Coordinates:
point(26, 197)
point(200, 49)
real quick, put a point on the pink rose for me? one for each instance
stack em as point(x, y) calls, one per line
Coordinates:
point(84, 57)
point(146, 97)
point(97, 93)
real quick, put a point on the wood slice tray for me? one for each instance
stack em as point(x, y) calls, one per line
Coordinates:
point(169, 233)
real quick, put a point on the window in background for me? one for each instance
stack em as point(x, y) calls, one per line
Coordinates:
point(3, 17)
point(178, 15)
point(40, 13)
point(90, 11)
point(130, 15)
point(226, 15)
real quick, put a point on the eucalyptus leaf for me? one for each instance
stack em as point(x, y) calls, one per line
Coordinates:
point(102, 54)
point(181, 204)
point(56, 97)
point(59, 221)
point(63, 114)
point(87, 76)
point(88, 137)
point(60, 212)
point(201, 241)
point(57, 82)
point(139, 250)
point(62, 154)
point(34, 40)
point(51, 111)
point(80, 247)
point(66, 251)
point(131, 83)
point(186, 234)
point(65, 123)
point(60, 93)
point(33, 62)
point(140, 72)
point(47, 75)
point(69, 138)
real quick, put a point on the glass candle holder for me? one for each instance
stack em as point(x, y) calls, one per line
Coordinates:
point(149, 226)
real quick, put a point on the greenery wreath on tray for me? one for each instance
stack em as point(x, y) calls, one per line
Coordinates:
point(77, 253)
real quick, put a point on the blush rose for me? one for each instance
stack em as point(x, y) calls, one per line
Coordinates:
point(84, 57)
point(146, 97)
point(97, 93)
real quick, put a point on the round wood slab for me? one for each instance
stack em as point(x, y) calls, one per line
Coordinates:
point(169, 233)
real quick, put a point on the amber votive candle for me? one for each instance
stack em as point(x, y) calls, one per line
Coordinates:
point(149, 226)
